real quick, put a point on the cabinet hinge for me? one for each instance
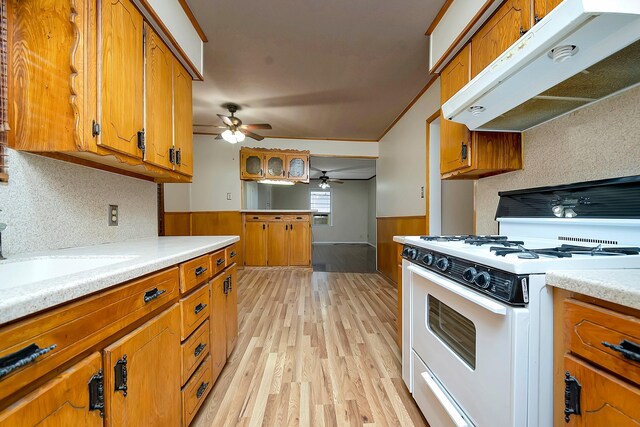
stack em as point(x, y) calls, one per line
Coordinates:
point(95, 129)
point(96, 393)
point(522, 31)
point(120, 373)
point(571, 396)
point(141, 144)
point(172, 156)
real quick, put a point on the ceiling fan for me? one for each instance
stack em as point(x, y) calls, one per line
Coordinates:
point(325, 180)
point(234, 130)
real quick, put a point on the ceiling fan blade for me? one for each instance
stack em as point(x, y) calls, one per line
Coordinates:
point(218, 137)
point(227, 120)
point(257, 126)
point(336, 181)
point(315, 169)
point(350, 168)
point(211, 126)
point(252, 135)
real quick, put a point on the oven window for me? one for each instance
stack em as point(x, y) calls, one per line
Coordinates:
point(455, 330)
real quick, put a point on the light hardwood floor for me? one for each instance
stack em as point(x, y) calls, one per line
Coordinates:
point(315, 349)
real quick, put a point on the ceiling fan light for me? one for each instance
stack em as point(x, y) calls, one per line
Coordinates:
point(324, 185)
point(228, 136)
point(239, 136)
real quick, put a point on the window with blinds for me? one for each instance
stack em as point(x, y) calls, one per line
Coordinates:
point(4, 119)
point(321, 202)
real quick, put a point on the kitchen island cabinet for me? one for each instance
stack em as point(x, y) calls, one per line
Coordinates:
point(143, 346)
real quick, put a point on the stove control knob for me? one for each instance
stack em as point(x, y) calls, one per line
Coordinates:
point(428, 259)
point(413, 253)
point(483, 280)
point(442, 264)
point(469, 274)
point(405, 251)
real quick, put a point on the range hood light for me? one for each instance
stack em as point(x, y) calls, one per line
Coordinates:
point(560, 54)
point(476, 109)
point(275, 182)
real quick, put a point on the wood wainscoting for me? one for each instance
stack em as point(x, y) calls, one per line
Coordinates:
point(387, 248)
point(209, 223)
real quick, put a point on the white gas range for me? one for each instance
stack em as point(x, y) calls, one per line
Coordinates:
point(477, 315)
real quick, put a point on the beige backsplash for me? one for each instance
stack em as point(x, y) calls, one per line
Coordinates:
point(597, 142)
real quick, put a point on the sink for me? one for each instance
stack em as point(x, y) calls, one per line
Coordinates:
point(19, 272)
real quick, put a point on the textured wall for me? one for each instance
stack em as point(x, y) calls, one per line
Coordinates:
point(50, 204)
point(600, 141)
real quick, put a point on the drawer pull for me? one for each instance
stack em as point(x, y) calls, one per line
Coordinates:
point(200, 270)
point(153, 294)
point(120, 374)
point(199, 349)
point(22, 358)
point(232, 254)
point(220, 261)
point(628, 349)
point(201, 390)
point(199, 308)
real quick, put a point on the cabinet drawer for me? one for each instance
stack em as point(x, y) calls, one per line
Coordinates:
point(231, 253)
point(194, 310)
point(259, 218)
point(194, 350)
point(75, 327)
point(194, 272)
point(196, 391)
point(588, 326)
point(296, 218)
point(218, 262)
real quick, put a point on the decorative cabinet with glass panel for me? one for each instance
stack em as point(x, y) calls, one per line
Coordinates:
point(287, 165)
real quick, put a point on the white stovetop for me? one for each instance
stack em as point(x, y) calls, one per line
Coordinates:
point(511, 263)
point(109, 265)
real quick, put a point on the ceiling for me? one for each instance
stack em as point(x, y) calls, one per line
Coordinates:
point(342, 168)
point(330, 69)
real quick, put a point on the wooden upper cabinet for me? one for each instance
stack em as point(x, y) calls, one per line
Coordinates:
point(252, 164)
point(298, 167)
point(507, 25)
point(542, 7)
point(183, 118)
point(455, 138)
point(159, 89)
point(63, 401)
point(142, 375)
point(122, 77)
point(276, 165)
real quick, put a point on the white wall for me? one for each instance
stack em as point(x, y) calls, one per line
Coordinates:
point(371, 213)
point(435, 183)
point(50, 204)
point(457, 207)
point(216, 167)
point(401, 166)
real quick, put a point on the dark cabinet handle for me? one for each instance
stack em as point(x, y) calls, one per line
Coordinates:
point(200, 270)
point(256, 217)
point(120, 374)
point(628, 349)
point(522, 31)
point(179, 156)
point(464, 151)
point(286, 227)
point(232, 254)
point(199, 308)
point(291, 226)
point(153, 294)
point(572, 389)
point(220, 261)
point(230, 283)
point(201, 390)
point(278, 217)
point(96, 393)
point(299, 217)
point(225, 286)
point(199, 349)
point(23, 357)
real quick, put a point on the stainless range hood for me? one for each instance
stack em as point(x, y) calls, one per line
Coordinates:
point(582, 51)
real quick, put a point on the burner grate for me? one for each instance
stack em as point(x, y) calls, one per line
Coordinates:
point(564, 251)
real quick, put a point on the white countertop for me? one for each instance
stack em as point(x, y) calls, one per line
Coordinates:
point(620, 286)
point(275, 211)
point(399, 239)
point(139, 257)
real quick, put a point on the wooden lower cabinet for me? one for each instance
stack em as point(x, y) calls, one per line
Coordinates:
point(218, 325)
point(277, 240)
point(142, 374)
point(63, 401)
point(608, 382)
point(231, 308)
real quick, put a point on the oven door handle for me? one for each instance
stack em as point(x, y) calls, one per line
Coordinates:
point(451, 410)
point(459, 290)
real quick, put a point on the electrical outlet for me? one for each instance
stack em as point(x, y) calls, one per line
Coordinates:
point(113, 215)
point(422, 192)
point(228, 196)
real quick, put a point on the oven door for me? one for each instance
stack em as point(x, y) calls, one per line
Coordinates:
point(475, 349)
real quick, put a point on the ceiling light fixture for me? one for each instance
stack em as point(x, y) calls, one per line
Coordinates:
point(229, 136)
point(275, 182)
point(324, 185)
